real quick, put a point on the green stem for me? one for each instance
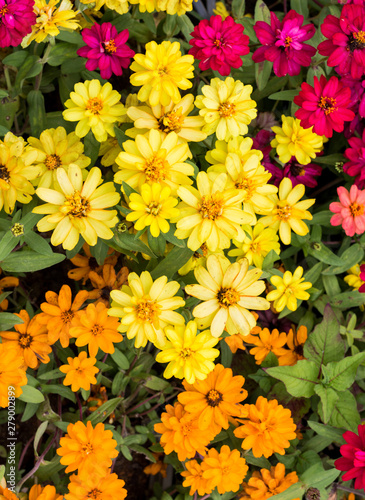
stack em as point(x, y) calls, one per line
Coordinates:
point(7, 78)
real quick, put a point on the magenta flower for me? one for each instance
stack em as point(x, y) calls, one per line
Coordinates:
point(16, 20)
point(353, 2)
point(106, 49)
point(346, 41)
point(302, 174)
point(349, 211)
point(356, 156)
point(362, 277)
point(324, 106)
point(283, 43)
point(353, 457)
point(219, 44)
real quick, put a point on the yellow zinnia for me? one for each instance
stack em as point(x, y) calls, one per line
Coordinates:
point(171, 7)
point(162, 71)
point(228, 291)
point(289, 289)
point(95, 107)
point(242, 146)
point(226, 107)
point(144, 5)
point(78, 207)
point(293, 140)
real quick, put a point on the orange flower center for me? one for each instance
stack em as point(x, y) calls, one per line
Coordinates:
point(171, 122)
point(4, 173)
point(156, 169)
point(110, 47)
point(147, 310)
point(283, 212)
point(3, 10)
point(52, 162)
point(288, 41)
point(76, 205)
point(359, 36)
point(187, 428)
point(87, 449)
point(217, 43)
point(67, 316)
point(356, 209)
point(226, 109)
point(25, 340)
point(328, 104)
point(94, 105)
point(227, 297)
point(248, 185)
point(214, 397)
point(211, 207)
point(162, 71)
point(94, 494)
point(97, 330)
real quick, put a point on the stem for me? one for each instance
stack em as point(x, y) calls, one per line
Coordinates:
point(205, 497)
point(24, 452)
point(318, 3)
point(327, 186)
point(79, 404)
point(285, 7)
point(144, 402)
point(350, 490)
point(156, 406)
point(7, 78)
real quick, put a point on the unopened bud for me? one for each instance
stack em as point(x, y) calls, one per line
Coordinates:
point(313, 494)
point(17, 229)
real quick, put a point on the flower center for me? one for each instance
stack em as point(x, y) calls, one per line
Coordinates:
point(162, 71)
point(255, 247)
point(227, 297)
point(288, 41)
point(4, 173)
point(97, 330)
point(185, 353)
point(52, 162)
point(298, 349)
point(171, 122)
point(4, 10)
point(76, 205)
point(156, 169)
point(87, 449)
point(248, 185)
point(297, 170)
point(211, 207)
point(214, 397)
point(94, 105)
point(93, 263)
point(218, 43)
point(283, 212)
point(25, 340)
point(67, 316)
point(328, 104)
point(147, 310)
point(94, 494)
point(154, 208)
point(226, 109)
point(187, 428)
point(110, 47)
point(356, 40)
point(105, 293)
point(356, 209)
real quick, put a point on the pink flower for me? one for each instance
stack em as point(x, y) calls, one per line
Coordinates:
point(356, 156)
point(302, 174)
point(219, 44)
point(346, 41)
point(362, 277)
point(106, 49)
point(283, 43)
point(354, 2)
point(16, 20)
point(349, 211)
point(324, 106)
point(353, 457)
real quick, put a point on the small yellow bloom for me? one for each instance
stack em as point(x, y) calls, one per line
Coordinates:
point(144, 5)
point(161, 72)
point(288, 211)
point(80, 372)
point(221, 10)
point(227, 107)
point(242, 146)
point(95, 107)
point(353, 276)
point(293, 140)
point(289, 289)
point(190, 354)
point(171, 7)
point(256, 244)
point(120, 6)
point(152, 208)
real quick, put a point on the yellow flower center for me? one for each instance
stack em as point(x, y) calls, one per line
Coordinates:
point(356, 209)
point(185, 353)
point(328, 104)
point(25, 340)
point(171, 122)
point(87, 449)
point(17, 229)
point(3, 10)
point(288, 41)
point(76, 205)
point(211, 207)
point(227, 297)
point(255, 247)
point(214, 397)
point(110, 47)
point(97, 330)
point(67, 316)
point(283, 211)
point(217, 42)
point(187, 428)
point(359, 36)
point(94, 494)
point(162, 71)
point(147, 310)
point(154, 208)
point(94, 105)
point(156, 169)
point(4, 173)
point(226, 109)
point(52, 161)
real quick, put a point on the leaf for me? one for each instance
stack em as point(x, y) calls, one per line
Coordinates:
point(186, 26)
point(157, 245)
point(341, 375)
point(285, 95)
point(92, 147)
point(300, 6)
point(314, 273)
point(350, 257)
point(345, 412)
point(36, 112)
point(37, 243)
point(29, 261)
point(120, 359)
point(171, 238)
point(317, 477)
point(327, 431)
point(31, 395)
point(262, 12)
point(156, 383)
point(104, 411)
point(330, 159)
point(299, 380)
point(172, 262)
point(238, 9)
point(321, 218)
point(61, 390)
point(39, 433)
point(32, 66)
point(16, 58)
point(7, 243)
point(128, 241)
point(348, 299)
point(8, 320)
point(294, 491)
point(262, 73)
point(320, 252)
point(60, 53)
point(328, 399)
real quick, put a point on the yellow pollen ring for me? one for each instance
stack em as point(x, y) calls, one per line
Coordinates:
point(227, 297)
point(356, 209)
point(226, 109)
point(94, 105)
point(328, 104)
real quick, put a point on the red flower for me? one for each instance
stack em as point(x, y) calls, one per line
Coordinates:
point(325, 107)
point(106, 49)
point(283, 43)
point(353, 457)
point(16, 20)
point(219, 44)
point(362, 277)
point(346, 41)
point(356, 156)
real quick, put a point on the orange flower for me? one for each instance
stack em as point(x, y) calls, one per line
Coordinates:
point(267, 483)
point(59, 311)
point(30, 340)
point(194, 478)
point(214, 400)
point(94, 328)
point(7, 282)
point(265, 343)
point(104, 284)
point(12, 372)
point(98, 396)
point(37, 492)
point(87, 448)
point(181, 433)
point(94, 487)
point(235, 342)
point(224, 470)
point(267, 429)
point(295, 341)
point(80, 372)
point(6, 494)
point(159, 467)
point(87, 263)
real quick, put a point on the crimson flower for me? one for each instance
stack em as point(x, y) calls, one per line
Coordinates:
point(106, 49)
point(302, 174)
point(346, 41)
point(353, 457)
point(356, 156)
point(219, 44)
point(16, 20)
point(283, 43)
point(362, 277)
point(324, 106)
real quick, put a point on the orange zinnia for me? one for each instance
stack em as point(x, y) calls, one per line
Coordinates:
point(94, 328)
point(194, 478)
point(159, 467)
point(225, 469)
point(7, 282)
point(12, 372)
point(59, 311)
point(80, 372)
point(295, 341)
point(95, 487)
point(267, 429)
point(267, 483)
point(6, 494)
point(37, 492)
point(105, 283)
point(30, 340)
point(214, 400)
point(265, 343)
point(86, 263)
point(235, 342)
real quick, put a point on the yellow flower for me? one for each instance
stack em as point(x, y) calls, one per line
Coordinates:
point(109, 150)
point(98, 3)
point(210, 214)
point(221, 10)
point(80, 372)
point(145, 5)
point(190, 355)
point(228, 291)
point(120, 6)
point(49, 19)
point(224, 469)
point(55, 148)
point(353, 276)
point(178, 7)
point(154, 158)
point(288, 211)
point(146, 307)
point(293, 140)
point(289, 289)
point(268, 483)
point(242, 146)
point(78, 208)
point(256, 244)
point(96, 487)
point(95, 107)
point(152, 208)
point(227, 107)
point(162, 71)
point(166, 119)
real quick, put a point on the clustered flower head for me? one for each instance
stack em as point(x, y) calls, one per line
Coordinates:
point(16, 20)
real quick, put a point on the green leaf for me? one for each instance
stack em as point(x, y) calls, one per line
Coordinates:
point(8, 320)
point(238, 8)
point(92, 147)
point(299, 380)
point(186, 26)
point(16, 58)
point(120, 359)
point(61, 390)
point(317, 477)
point(36, 112)
point(32, 66)
point(70, 37)
point(294, 491)
point(285, 95)
point(172, 262)
point(9, 107)
point(60, 53)
point(7, 243)
point(156, 383)
point(121, 138)
point(31, 395)
point(314, 273)
point(128, 241)
point(100, 251)
point(29, 261)
point(300, 6)
point(330, 159)
point(56, 373)
point(347, 300)
point(262, 12)
point(345, 413)
point(157, 245)
point(171, 238)
point(104, 411)
point(341, 374)
point(37, 243)
point(39, 433)
point(262, 73)
point(327, 431)
point(320, 252)
point(350, 257)
point(328, 399)
point(321, 218)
